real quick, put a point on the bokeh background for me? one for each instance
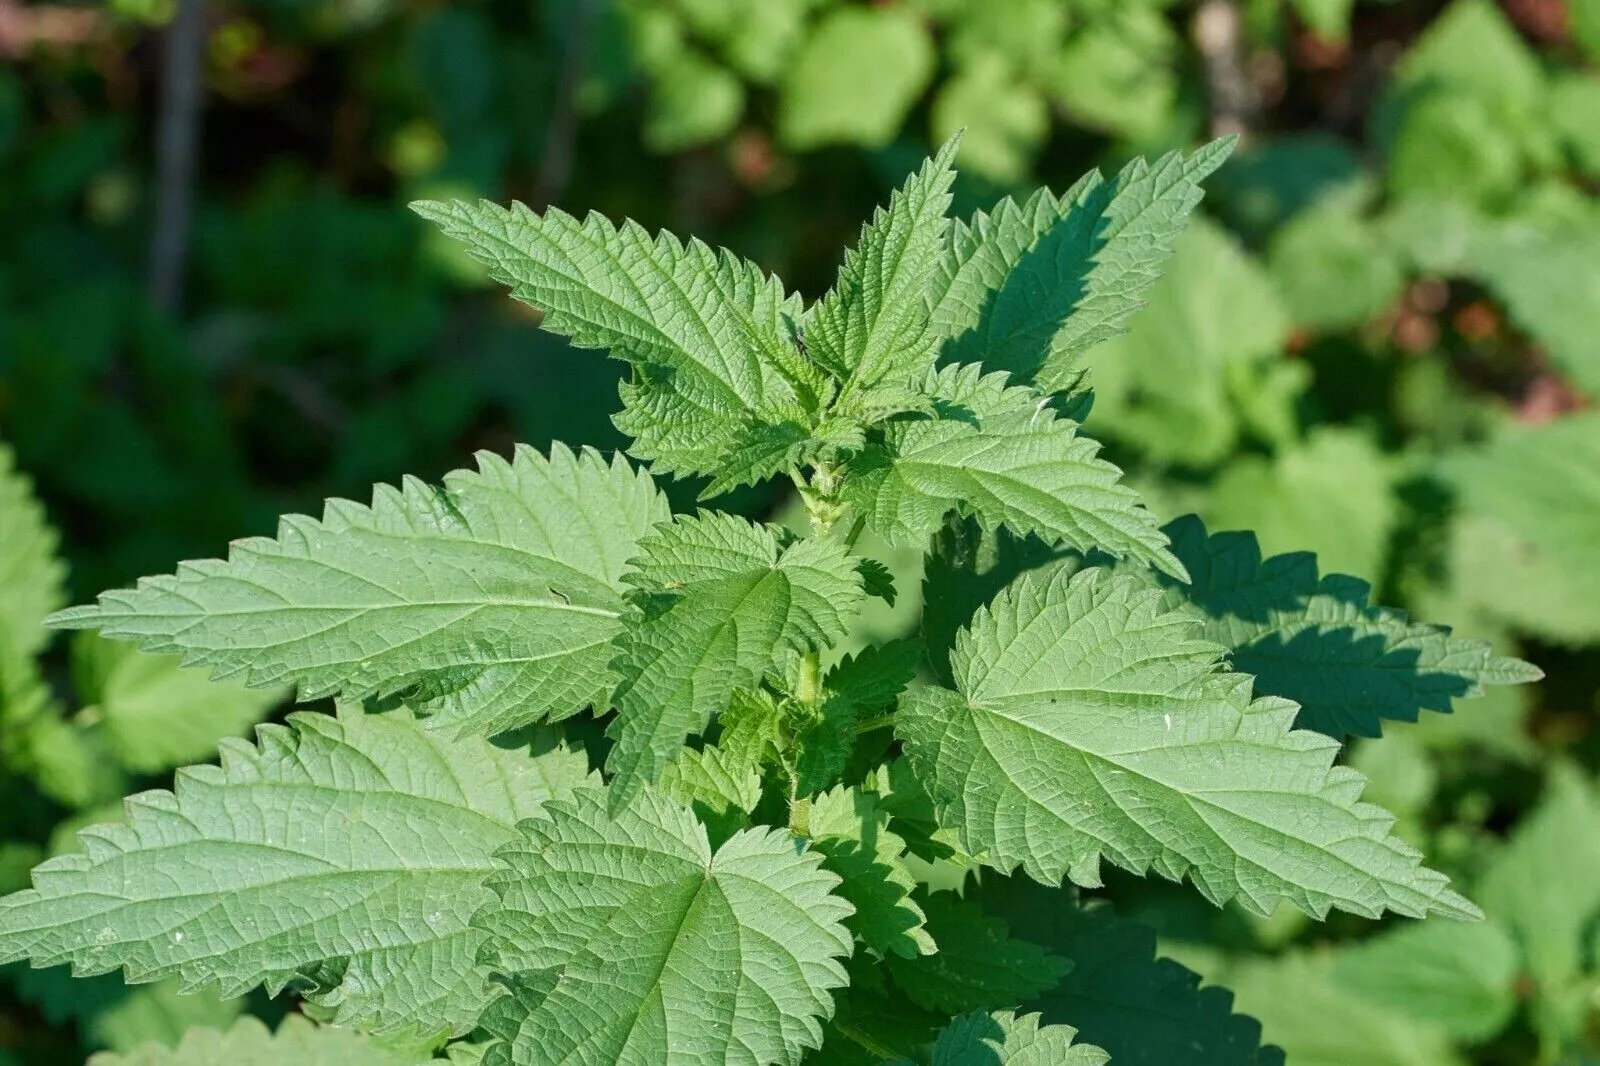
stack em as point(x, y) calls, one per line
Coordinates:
point(1380, 343)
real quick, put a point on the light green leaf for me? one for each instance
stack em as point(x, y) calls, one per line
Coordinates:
point(857, 75)
point(1029, 288)
point(668, 952)
point(1202, 365)
point(494, 598)
point(1334, 268)
point(716, 600)
point(979, 964)
point(251, 873)
point(1524, 545)
point(708, 333)
point(1349, 663)
point(1329, 19)
point(851, 831)
point(871, 328)
point(692, 100)
point(722, 787)
point(1003, 1039)
point(152, 714)
point(1544, 886)
point(1332, 495)
point(1457, 975)
point(1119, 71)
point(1004, 455)
point(1319, 1023)
point(249, 1043)
point(1006, 118)
point(1089, 724)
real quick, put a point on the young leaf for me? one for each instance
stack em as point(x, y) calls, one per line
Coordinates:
point(1005, 456)
point(1003, 1039)
point(249, 874)
point(495, 598)
point(1530, 503)
point(852, 832)
point(708, 331)
point(1143, 1009)
point(979, 965)
point(667, 951)
point(872, 327)
point(1028, 288)
point(250, 1043)
point(152, 714)
point(1458, 975)
point(1349, 664)
point(1544, 885)
point(873, 677)
point(1089, 724)
point(716, 598)
point(721, 787)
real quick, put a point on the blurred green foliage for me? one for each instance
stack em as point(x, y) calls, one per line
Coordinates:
point(1378, 347)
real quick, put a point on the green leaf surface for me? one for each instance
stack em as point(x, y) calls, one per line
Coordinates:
point(1349, 664)
point(979, 964)
point(875, 676)
point(1090, 724)
point(492, 601)
point(721, 786)
point(860, 71)
point(1530, 517)
point(1201, 367)
point(717, 599)
point(1028, 288)
point(872, 328)
point(1458, 975)
point(353, 848)
point(1003, 455)
point(1318, 1023)
point(666, 951)
point(1143, 1009)
point(152, 714)
point(1544, 886)
point(1332, 494)
point(250, 1043)
point(1004, 1039)
point(708, 333)
point(110, 1014)
point(851, 830)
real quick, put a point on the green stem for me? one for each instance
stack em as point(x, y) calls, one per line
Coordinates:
point(883, 721)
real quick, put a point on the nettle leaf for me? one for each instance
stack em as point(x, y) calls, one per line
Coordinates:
point(154, 715)
point(716, 599)
point(251, 1043)
point(628, 940)
point(1005, 456)
point(708, 333)
point(1349, 663)
point(979, 964)
point(1090, 724)
point(1143, 1009)
point(875, 676)
point(32, 578)
point(1028, 288)
point(492, 601)
point(1003, 1039)
point(723, 787)
point(851, 831)
point(344, 856)
point(872, 327)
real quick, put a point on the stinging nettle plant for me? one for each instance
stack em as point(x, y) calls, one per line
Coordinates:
point(752, 866)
